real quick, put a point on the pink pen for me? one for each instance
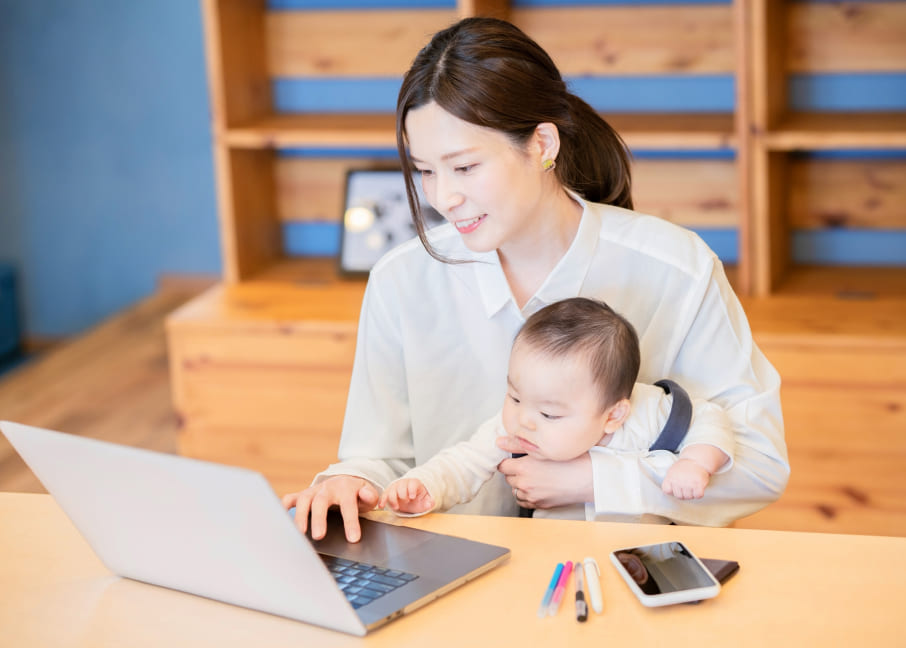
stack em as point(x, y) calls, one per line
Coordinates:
point(561, 586)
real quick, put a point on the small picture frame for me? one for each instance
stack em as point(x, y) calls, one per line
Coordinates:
point(376, 217)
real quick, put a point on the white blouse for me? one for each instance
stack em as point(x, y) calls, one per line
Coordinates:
point(434, 342)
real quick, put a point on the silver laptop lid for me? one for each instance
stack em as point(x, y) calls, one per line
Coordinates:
point(221, 532)
point(207, 529)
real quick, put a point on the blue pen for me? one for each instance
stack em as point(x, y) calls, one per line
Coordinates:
point(542, 610)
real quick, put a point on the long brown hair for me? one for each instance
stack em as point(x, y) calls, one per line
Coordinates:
point(488, 72)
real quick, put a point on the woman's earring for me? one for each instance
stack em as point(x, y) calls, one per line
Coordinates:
point(548, 164)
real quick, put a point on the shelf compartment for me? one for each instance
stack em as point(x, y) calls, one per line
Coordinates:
point(859, 286)
point(337, 131)
point(675, 131)
point(833, 131)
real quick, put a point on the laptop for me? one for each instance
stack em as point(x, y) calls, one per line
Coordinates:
point(221, 532)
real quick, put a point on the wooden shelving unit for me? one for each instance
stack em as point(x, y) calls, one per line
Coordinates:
point(248, 46)
point(268, 319)
point(785, 38)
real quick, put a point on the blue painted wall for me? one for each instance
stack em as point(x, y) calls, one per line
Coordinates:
point(106, 176)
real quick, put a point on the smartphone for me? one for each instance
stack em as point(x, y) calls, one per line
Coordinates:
point(664, 574)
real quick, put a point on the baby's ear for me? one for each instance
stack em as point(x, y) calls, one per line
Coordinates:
point(616, 415)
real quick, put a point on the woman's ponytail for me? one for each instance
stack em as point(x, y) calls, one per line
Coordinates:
point(593, 161)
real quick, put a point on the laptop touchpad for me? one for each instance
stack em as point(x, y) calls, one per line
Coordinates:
point(379, 545)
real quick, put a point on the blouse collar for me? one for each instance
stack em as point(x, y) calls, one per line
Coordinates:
point(565, 280)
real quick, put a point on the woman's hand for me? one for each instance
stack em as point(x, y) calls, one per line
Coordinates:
point(537, 483)
point(351, 494)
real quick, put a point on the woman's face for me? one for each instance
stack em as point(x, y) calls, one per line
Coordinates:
point(476, 178)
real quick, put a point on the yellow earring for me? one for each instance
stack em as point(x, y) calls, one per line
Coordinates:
point(548, 164)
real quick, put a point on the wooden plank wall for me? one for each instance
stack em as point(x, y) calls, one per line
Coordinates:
point(869, 194)
point(846, 37)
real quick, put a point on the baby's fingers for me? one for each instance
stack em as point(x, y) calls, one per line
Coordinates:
point(413, 489)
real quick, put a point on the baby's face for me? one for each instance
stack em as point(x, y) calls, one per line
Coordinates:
point(552, 407)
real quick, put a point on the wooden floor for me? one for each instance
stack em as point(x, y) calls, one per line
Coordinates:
point(112, 383)
point(844, 399)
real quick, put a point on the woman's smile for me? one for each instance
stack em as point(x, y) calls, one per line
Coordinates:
point(468, 225)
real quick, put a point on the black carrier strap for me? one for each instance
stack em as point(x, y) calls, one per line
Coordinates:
point(678, 421)
point(523, 512)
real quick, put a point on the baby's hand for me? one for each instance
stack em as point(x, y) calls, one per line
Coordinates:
point(686, 480)
point(407, 496)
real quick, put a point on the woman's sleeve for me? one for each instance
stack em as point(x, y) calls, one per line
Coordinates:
point(711, 426)
point(456, 474)
point(376, 443)
point(712, 354)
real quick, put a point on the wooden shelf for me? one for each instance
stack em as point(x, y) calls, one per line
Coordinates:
point(827, 321)
point(851, 283)
point(321, 131)
point(290, 294)
point(668, 131)
point(657, 131)
point(830, 131)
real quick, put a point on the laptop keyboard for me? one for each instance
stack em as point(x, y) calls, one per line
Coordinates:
point(363, 583)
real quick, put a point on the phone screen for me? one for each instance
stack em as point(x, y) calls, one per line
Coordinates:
point(664, 569)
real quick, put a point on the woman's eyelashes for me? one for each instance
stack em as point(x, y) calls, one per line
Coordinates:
point(462, 169)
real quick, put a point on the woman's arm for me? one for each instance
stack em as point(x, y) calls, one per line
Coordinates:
point(376, 444)
point(709, 441)
point(714, 357)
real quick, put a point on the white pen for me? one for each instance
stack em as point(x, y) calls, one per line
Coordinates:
point(593, 577)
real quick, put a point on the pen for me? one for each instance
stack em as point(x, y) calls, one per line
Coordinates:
point(581, 607)
point(561, 585)
point(549, 592)
point(594, 584)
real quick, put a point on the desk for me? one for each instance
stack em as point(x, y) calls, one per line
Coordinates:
point(793, 589)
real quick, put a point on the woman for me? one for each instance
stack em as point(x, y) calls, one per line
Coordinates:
point(536, 189)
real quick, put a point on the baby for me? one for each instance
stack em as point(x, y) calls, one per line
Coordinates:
point(570, 389)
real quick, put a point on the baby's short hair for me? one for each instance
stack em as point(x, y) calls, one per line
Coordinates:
point(589, 327)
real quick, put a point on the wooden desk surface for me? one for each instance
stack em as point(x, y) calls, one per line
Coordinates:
point(793, 589)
